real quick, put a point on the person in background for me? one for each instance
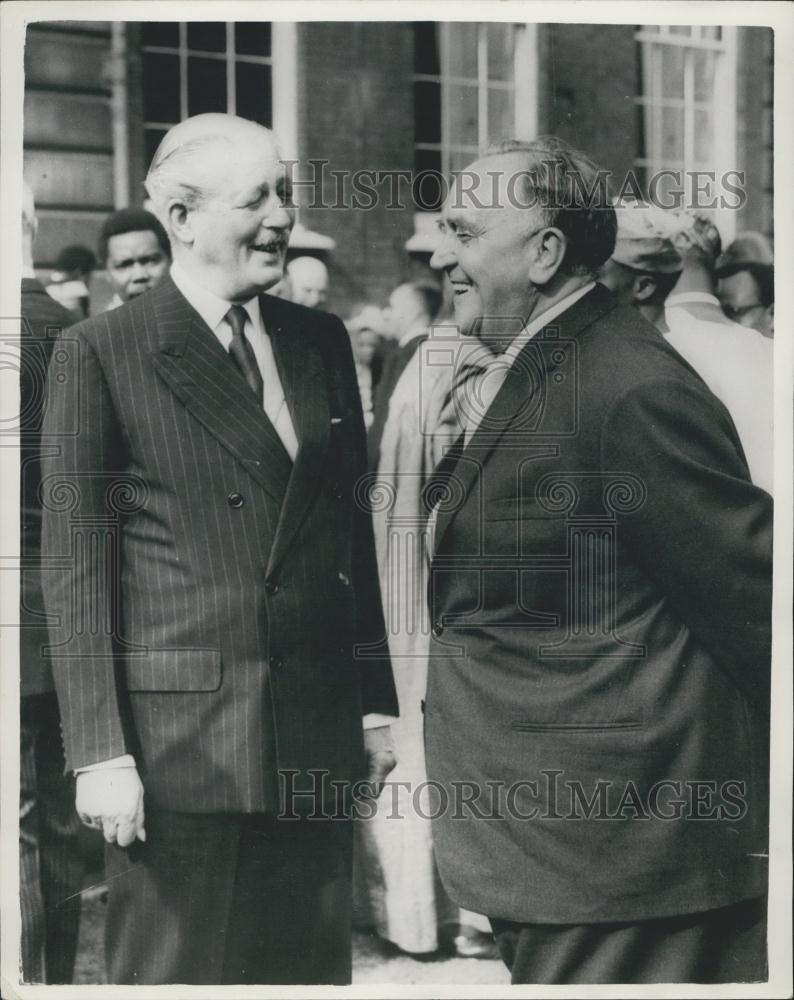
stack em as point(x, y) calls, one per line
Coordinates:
point(746, 273)
point(71, 279)
point(366, 334)
point(735, 362)
point(400, 892)
point(134, 248)
point(308, 282)
point(412, 308)
point(50, 860)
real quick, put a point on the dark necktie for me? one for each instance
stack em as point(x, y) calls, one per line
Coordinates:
point(242, 352)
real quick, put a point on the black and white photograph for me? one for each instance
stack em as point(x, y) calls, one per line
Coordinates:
point(397, 498)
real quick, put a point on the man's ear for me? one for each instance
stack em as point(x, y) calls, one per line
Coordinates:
point(546, 254)
point(644, 288)
point(180, 222)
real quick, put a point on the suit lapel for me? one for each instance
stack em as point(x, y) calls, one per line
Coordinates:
point(305, 383)
point(520, 402)
point(192, 362)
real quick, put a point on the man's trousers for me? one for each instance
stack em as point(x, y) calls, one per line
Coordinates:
point(727, 945)
point(226, 898)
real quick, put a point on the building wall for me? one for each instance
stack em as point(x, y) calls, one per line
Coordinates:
point(68, 142)
point(587, 84)
point(754, 138)
point(356, 111)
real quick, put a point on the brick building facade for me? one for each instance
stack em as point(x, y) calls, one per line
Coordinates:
point(388, 96)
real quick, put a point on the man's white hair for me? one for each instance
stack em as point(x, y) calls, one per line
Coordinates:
point(182, 169)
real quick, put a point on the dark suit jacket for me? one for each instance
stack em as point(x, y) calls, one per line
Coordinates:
point(42, 320)
point(601, 604)
point(210, 593)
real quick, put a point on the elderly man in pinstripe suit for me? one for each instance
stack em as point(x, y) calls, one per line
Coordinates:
point(215, 615)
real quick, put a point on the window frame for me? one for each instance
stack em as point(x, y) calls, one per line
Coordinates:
point(524, 82)
point(723, 111)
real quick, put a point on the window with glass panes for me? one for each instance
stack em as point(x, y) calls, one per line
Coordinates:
point(192, 67)
point(464, 94)
point(686, 87)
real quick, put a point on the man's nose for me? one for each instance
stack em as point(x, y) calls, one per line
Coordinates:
point(140, 272)
point(443, 257)
point(279, 216)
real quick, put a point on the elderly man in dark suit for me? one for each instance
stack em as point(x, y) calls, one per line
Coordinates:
point(212, 582)
point(51, 866)
point(598, 693)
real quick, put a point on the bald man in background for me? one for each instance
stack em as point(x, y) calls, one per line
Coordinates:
point(219, 719)
point(308, 282)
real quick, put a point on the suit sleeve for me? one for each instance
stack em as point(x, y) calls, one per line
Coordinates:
point(80, 548)
point(378, 693)
point(702, 531)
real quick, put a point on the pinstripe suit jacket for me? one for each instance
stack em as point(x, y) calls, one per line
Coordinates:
point(206, 594)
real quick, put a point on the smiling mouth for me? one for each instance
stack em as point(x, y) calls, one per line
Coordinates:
point(460, 287)
point(272, 247)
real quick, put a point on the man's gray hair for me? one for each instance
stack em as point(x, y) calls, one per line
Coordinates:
point(571, 193)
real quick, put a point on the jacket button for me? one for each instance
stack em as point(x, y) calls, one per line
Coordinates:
point(438, 629)
point(277, 662)
point(235, 500)
point(271, 587)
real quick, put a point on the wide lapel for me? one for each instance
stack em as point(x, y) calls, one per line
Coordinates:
point(203, 376)
point(305, 383)
point(520, 403)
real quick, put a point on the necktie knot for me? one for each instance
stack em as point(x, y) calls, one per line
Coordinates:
point(236, 318)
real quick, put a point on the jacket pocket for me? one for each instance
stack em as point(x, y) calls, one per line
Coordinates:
point(519, 725)
point(175, 670)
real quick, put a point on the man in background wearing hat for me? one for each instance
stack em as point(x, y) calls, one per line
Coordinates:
point(746, 273)
point(656, 252)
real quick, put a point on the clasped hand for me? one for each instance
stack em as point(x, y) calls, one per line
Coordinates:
point(111, 800)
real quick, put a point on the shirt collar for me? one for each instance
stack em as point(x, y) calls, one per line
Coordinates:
point(412, 334)
point(543, 319)
point(28, 272)
point(686, 298)
point(207, 304)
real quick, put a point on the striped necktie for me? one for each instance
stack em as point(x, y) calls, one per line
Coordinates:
point(242, 352)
